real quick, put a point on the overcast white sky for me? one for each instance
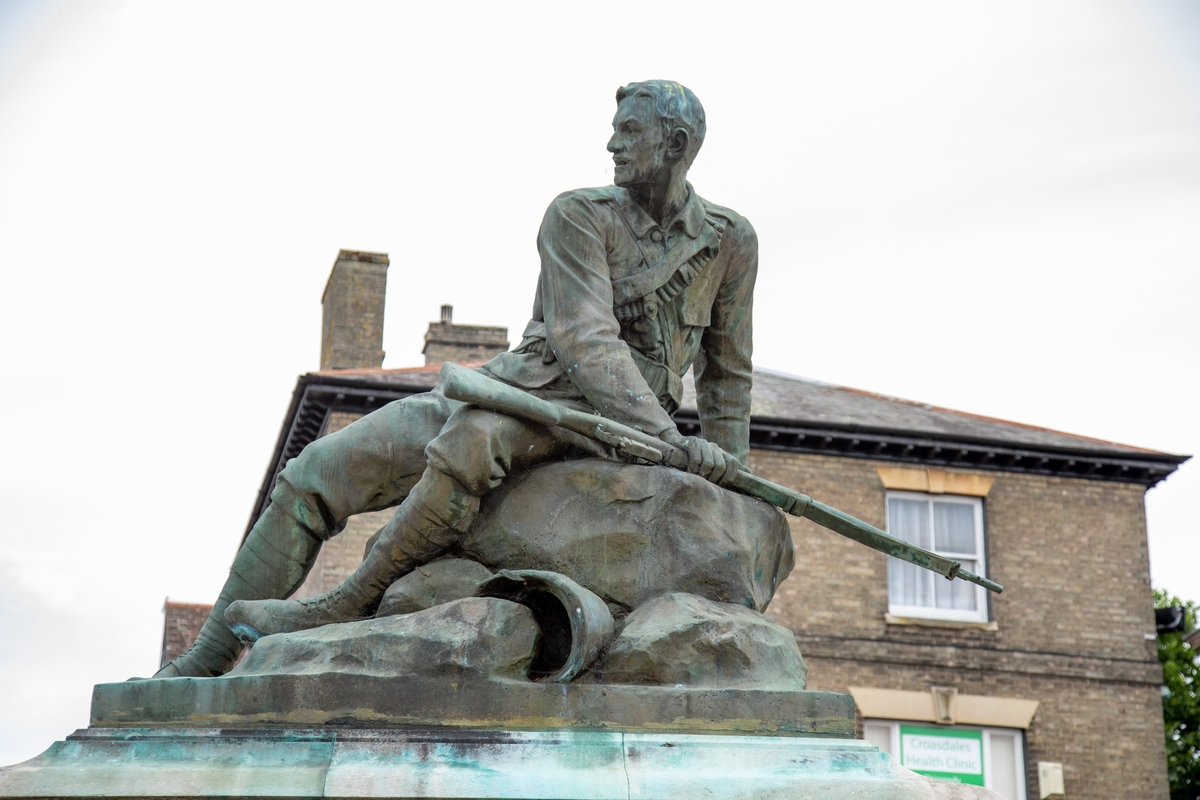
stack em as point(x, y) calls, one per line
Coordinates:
point(992, 207)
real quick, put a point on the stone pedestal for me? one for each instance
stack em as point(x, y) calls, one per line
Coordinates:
point(341, 700)
point(462, 763)
point(442, 709)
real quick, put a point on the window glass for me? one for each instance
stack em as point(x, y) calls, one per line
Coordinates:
point(1002, 748)
point(954, 528)
point(906, 585)
point(909, 520)
point(950, 526)
point(879, 735)
point(956, 595)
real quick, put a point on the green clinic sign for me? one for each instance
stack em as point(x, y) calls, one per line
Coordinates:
point(950, 754)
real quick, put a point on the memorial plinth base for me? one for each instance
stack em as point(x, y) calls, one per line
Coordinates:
point(327, 735)
point(448, 763)
point(310, 700)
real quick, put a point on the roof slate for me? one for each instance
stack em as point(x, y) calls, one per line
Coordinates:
point(812, 403)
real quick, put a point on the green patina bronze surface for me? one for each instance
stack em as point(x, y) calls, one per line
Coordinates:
point(640, 282)
point(518, 765)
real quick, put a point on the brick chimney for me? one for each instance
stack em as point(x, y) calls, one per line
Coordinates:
point(352, 328)
point(446, 341)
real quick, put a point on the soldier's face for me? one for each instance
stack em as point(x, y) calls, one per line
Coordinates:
point(637, 144)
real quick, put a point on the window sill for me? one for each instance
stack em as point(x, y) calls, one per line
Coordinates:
point(954, 624)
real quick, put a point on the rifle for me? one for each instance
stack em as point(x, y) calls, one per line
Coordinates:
point(469, 386)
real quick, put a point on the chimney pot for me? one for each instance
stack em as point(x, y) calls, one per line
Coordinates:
point(447, 313)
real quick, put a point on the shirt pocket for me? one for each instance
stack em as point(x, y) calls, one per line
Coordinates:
point(695, 310)
point(695, 314)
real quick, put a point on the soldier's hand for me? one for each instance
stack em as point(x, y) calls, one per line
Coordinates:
point(705, 458)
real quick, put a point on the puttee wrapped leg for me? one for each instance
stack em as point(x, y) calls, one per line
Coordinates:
point(272, 562)
point(433, 517)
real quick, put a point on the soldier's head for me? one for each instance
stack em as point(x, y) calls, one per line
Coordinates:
point(659, 125)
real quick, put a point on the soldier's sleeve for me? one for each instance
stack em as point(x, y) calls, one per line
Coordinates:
point(723, 366)
point(577, 305)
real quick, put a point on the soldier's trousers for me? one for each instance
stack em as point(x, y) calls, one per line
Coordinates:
point(374, 462)
point(451, 453)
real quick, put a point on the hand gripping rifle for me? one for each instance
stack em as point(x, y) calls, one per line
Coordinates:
point(469, 386)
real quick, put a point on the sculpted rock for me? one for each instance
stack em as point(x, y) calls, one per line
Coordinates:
point(433, 584)
point(631, 533)
point(477, 638)
point(688, 640)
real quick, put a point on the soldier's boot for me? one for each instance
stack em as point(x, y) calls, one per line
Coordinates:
point(433, 516)
point(272, 562)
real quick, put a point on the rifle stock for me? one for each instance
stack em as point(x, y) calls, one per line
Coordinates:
point(469, 386)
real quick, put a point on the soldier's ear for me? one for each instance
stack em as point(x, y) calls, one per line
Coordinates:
point(677, 144)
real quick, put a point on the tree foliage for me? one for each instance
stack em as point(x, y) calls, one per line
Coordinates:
point(1181, 702)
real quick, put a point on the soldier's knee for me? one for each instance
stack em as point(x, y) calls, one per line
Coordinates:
point(301, 475)
point(303, 492)
point(474, 448)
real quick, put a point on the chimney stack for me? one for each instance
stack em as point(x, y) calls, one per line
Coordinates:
point(352, 325)
point(446, 341)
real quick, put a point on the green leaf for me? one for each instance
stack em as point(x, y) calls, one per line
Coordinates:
point(1181, 702)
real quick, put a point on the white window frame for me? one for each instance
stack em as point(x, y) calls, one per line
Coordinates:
point(980, 614)
point(1020, 779)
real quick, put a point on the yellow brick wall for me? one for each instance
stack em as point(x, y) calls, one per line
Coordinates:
point(1071, 624)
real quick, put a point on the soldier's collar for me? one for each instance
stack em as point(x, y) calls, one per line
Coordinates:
point(690, 218)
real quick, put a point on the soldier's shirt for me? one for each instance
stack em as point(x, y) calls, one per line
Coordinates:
point(630, 370)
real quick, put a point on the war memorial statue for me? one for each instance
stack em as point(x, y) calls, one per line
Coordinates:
point(568, 599)
point(638, 281)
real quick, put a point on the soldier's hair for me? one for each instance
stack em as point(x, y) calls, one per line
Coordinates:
point(676, 106)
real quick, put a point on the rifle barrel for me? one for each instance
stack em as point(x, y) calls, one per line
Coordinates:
point(469, 386)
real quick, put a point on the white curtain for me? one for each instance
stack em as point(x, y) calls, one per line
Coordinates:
point(954, 528)
point(954, 536)
point(946, 528)
point(909, 520)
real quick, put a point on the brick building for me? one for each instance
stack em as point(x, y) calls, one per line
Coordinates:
point(1055, 680)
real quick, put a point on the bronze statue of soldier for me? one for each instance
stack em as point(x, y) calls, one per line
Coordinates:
point(639, 282)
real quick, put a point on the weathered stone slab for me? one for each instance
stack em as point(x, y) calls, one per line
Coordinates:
point(373, 701)
point(632, 533)
point(535, 765)
point(683, 639)
point(479, 639)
